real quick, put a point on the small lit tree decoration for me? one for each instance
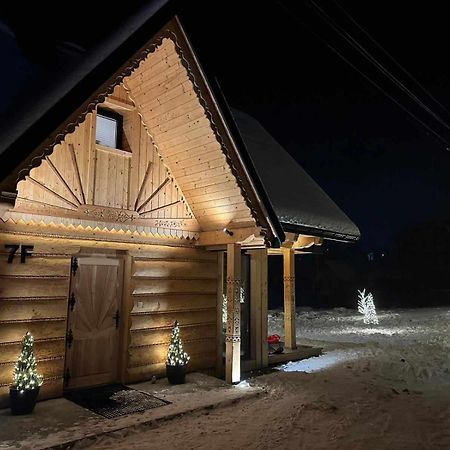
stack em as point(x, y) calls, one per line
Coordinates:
point(25, 373)
point(224, 305)
point(366, 306)
point(176, 356)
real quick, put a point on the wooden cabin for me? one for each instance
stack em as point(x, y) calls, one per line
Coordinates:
point(140, 199)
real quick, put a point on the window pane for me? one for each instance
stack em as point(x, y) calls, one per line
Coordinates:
point(106, 132)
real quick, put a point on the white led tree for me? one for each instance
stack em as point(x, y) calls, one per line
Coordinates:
point(366, 306)
point(176, 356)
point(26, 375)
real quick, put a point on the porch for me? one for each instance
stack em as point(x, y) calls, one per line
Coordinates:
point(246, 326)
point(60, 422)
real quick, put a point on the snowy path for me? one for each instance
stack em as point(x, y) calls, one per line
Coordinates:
point(376, 387)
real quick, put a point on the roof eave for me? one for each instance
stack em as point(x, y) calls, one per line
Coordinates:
point(319, 232)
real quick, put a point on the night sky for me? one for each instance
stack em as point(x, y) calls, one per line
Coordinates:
point(378, 164)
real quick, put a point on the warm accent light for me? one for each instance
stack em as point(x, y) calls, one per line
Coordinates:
point(227, 231)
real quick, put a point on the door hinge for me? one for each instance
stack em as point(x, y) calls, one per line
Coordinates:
point(67, 377)
point(72, 301)
point(116, 317)
point(74, 266)
point(69, 338)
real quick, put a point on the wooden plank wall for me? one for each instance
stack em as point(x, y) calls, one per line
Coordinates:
point(45, 175)
point(171, 284)
point(165, 97)
point(97, 175)
point(33, 297)
point(148, 173)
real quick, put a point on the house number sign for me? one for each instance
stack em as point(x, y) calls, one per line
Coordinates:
point(25, 251)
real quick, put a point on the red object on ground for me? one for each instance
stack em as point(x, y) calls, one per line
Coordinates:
point(273, 339)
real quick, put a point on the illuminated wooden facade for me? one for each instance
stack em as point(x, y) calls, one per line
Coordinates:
point(124, 241)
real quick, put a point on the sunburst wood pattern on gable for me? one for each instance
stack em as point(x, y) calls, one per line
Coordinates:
point(87, 181)
point(165, 97)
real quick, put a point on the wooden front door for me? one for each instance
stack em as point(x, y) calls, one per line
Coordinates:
point(92, 340)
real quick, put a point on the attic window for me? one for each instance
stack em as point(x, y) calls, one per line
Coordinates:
point(109, 128)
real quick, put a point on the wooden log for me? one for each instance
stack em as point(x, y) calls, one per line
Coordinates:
point(163, 335)
point(36, 266)
point(48, 368)
point(34, 287)
point(9, 352)
point(157, 353)
point(221, 238)
point(14, 331)
point(160, 252)
point(19, 309)
point(172, 302)
point(161, 286)
point(162, 320)
point(174, 269)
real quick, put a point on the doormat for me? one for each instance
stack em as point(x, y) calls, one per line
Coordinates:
point(115, 400)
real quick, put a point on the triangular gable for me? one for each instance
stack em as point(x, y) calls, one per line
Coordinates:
point(184, 127)
point(165, 97)
point(88, 183)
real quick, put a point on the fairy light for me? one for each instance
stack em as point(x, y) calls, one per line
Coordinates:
point(176, 356)
point(26, 375)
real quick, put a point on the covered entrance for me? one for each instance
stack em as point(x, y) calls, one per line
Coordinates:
point(93, 323)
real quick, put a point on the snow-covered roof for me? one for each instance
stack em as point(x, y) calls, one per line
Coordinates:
point(299, 202)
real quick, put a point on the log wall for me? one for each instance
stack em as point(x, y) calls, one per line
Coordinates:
point(163, 284)
point(33, 297)
point(171, 284)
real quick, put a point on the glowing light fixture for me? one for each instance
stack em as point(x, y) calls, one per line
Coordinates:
point(227, 231)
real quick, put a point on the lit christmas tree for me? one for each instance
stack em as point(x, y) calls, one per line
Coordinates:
point(176, 356)
point(366, 306)
point(25, 372)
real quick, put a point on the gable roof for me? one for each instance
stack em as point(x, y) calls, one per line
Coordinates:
point(36, 133)
point(30, 127)
point(299, 202)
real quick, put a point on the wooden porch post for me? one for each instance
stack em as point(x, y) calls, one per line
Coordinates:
point(258, 306)
point(264, 307)
point(289, 298)
point(233, 333)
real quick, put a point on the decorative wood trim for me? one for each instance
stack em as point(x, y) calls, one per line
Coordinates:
point(170, 32)
point(144, 182)
point(220, 368)
point(154, 193)
point(233, 331)
point(73, 158)
point(61, 179)
point(49, 191)
point(159, 208)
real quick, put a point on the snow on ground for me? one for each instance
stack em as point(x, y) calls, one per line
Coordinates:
point(375, 387)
